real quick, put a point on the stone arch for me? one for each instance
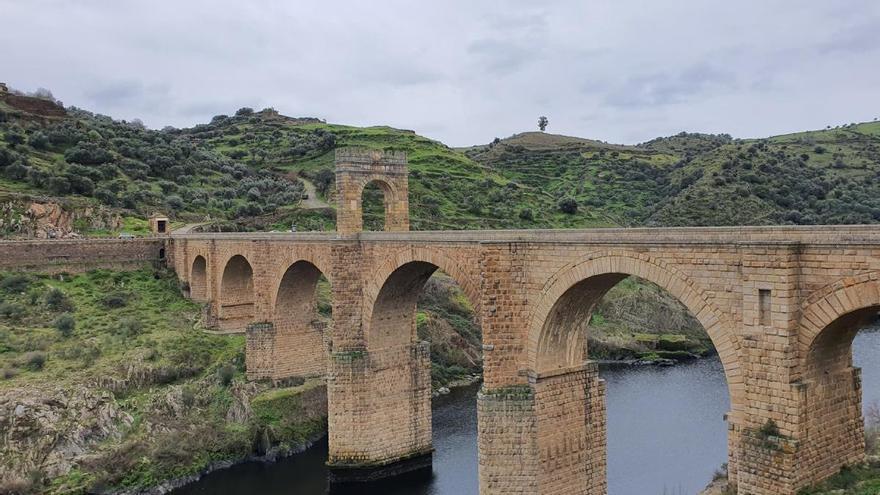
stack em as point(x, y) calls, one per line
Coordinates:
point(389, 198)
point(573, 291)
point(423, 263)
point(848, 296)
point(300, 331)
point(355, 169)
point(237, 295)
point(198, 279)
point(830, 385)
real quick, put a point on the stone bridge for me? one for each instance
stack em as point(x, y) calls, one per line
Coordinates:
point(781, 305)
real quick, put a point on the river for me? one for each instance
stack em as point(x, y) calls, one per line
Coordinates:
point(666, 435)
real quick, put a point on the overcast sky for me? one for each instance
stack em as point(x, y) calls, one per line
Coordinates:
point(462, 72)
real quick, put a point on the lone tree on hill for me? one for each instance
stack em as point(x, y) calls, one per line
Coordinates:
point(542, 123)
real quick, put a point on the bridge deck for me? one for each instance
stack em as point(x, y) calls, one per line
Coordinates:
point(814, 234)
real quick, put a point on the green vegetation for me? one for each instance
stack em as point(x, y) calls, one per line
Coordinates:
point(120, 360)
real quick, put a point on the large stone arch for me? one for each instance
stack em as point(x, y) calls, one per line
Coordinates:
point(374, 284)
point(198, 279)
point(300, 345)
point(608, 268)
point(237, 296)
point(831, 388)
point(283, 265)
point(834, 301)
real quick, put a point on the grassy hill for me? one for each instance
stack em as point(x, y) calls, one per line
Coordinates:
point(246, 168)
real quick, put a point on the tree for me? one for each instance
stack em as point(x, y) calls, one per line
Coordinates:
point(542, 123)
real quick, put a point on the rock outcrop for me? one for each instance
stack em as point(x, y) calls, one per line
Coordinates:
point(50, 220)
point(47, 431)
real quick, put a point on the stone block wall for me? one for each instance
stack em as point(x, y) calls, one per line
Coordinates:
point(80, 255)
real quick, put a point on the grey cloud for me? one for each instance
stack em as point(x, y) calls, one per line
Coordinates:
point(128, 92)
point(459, 71)
point(656, 89)
point(857, 38)
point(500, 57)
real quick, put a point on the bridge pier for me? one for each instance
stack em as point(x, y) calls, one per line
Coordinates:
point(380, 414)
point(546, 437)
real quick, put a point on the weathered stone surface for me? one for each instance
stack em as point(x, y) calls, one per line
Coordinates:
point(49, 430)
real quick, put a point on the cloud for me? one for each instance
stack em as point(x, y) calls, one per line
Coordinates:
point(459, 71)
point(650, 90)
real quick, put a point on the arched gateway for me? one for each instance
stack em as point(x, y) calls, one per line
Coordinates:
point(781, 305)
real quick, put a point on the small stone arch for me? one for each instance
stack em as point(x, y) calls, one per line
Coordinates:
point(355, 169)
point(198, 279)
point(237, 295)
point(600, 272)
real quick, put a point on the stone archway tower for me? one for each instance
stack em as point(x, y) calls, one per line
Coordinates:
point(357, 167)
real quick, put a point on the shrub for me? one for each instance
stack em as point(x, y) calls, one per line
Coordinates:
point(12, 310)
point(244, 111)
point(174, 202)
point(568, 206)
point(115, 300)
point(39, 140)
point(58, 185)
point(16, 171)
point(65, 324)
point(9, 373)
point(129, 327)
point(87, 153)
point(15, 283)
point(226, 373)
point(7, 157)
point(57, 300)
point(526, 214)
point(34, 360)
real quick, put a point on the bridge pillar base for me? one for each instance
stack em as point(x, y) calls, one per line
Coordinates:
point(379, 411)
point(546, 437)
point(260, 350)
point(415, 465)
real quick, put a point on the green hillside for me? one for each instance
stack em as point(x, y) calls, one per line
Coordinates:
point(246, 168)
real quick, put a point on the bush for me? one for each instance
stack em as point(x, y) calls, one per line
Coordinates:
point(116, 300)
point(244, 111)
point(226, 373)
point(526, 214)
point(65, 324)
point(15, 283)
point(9, 373)
point(39, 141)
point(11, 310)
point(7, 157)
point(16, 171)
point(34, 360)
point(568, 206)
point(57, 300)
point(129, 327)
point(87, 153)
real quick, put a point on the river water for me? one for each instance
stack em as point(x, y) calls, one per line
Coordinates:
point(666, 436)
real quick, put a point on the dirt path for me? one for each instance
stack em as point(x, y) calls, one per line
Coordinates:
point(314, 202)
